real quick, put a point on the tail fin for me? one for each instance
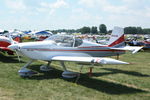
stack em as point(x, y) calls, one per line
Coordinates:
point(117, 41)
point(117, 38)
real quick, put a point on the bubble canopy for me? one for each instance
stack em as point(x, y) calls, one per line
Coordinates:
point(65, 40)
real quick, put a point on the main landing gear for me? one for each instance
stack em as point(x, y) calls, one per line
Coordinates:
point(70, 74)
point(46, 68)
point(66, 73)
point(25, 72)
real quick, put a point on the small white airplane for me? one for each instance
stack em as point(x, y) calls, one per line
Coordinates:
point(69, 48)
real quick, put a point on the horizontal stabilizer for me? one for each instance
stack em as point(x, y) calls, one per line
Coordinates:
point(96, 60)
point(134, 49)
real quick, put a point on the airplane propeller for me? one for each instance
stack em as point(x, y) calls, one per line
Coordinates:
point(17, 55)
point(16, 48)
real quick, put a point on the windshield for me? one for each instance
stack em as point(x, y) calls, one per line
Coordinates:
point(65, 40)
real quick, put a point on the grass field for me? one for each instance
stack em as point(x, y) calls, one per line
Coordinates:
point(110, 82)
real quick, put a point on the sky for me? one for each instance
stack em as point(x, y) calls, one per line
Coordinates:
point(73, 14)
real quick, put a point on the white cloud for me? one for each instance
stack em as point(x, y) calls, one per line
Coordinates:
point(58, 4)
point(124, 13)
point(89, 3)
point(126, 6)
point(51, 7)
point(80, 13)
point(103, 5)
point(80, 17)
point(93, 3)
point(15, 4)
point(147, 13)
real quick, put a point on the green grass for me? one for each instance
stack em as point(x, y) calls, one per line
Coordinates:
point(109, 82)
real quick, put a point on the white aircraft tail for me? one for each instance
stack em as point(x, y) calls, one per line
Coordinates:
point(117, 41)
point(117, 38)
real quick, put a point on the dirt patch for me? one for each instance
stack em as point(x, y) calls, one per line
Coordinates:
point(6, 94)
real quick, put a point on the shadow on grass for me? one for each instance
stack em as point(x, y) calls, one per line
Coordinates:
point(53, 74)
point(116, 71)
point(9, 59)
point(96, 84)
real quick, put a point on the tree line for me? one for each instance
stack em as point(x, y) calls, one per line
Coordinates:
point(102, 29)
point(136, 30)
point(84, 30)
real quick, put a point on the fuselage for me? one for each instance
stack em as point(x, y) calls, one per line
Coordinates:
point(45, 50)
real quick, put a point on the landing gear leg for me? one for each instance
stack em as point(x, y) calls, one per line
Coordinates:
point(66, 73)
point(79, 74)
point(63, 65)
point(24, 72)
point(46, 67)
point(90, 71)
point(117, 56)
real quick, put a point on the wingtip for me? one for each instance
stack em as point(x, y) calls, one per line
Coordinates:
point(112, 61)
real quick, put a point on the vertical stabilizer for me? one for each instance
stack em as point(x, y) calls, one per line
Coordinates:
point(117, 38)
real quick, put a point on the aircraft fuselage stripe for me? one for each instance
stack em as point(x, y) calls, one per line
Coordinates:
point(74, 50)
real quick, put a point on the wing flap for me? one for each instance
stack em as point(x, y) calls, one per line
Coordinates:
point(98, 60)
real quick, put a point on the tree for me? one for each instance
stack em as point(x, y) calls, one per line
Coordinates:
point(139, 30)
point(85, 30)
point(94, 30)
point(130, 30)
point(103, 28)
point(146, 31)
point(5, 31)
point(127, 30)
point(110, 31)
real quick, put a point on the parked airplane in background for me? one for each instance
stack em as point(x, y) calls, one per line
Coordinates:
point(5, 42)
point(144, 44)
point(69, 48)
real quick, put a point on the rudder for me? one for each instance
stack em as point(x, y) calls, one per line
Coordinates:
point(117, 38)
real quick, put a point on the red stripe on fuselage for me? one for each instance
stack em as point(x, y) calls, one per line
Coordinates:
point(75, 50)
point(93, 46)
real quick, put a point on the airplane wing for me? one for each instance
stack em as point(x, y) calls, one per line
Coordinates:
point(97, 60)
point(134, 49)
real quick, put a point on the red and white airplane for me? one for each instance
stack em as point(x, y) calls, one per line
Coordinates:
point(5, 42)
point(69, 48)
